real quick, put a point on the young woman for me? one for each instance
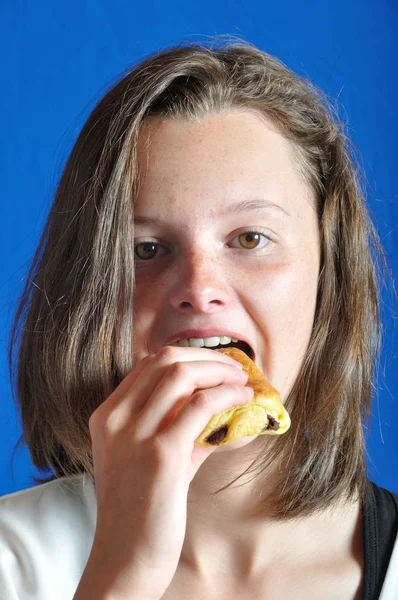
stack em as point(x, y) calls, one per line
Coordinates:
point(210, 197)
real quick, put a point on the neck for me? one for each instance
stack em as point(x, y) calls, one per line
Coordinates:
point(222, 521)
point(230, 533)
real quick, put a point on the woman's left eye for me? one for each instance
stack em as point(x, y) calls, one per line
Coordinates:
point(250, 240)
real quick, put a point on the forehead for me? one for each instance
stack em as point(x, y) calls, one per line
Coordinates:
point(219, 159)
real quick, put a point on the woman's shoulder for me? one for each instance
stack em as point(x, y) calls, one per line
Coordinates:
point(46, 534)
point(50, 503)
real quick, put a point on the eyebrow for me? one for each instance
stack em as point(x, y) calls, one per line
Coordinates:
point(243, 206)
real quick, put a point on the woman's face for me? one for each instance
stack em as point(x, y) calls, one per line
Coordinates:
point(204, 269)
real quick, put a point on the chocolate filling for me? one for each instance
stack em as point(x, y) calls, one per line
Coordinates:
point(272, 423)
point(218, 435)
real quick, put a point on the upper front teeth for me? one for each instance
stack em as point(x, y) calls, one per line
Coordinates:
point(209, 342)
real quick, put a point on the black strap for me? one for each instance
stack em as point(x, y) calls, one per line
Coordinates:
point(380, 527)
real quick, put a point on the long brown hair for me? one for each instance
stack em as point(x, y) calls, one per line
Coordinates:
point(72, 333)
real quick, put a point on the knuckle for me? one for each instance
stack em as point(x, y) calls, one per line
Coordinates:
point(109, 426)
point(101, 425)
point(168, 354)
point(178, 369)
point(199, 399)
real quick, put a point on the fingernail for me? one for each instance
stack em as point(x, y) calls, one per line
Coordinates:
point(237, 364)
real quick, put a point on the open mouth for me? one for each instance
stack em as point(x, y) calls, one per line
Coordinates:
point(241, 345)
point(203, 342)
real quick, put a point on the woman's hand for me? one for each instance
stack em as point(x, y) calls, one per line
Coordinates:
point(144, 460)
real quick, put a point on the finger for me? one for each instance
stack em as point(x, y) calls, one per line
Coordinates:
point(150, 370)
point(197, 412)
point(176, 387)
point(171, 354)
point(128, 382)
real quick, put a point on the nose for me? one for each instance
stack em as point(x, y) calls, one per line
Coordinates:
point(200, 285)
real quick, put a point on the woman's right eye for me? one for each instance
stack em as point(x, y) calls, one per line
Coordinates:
point(146, 250)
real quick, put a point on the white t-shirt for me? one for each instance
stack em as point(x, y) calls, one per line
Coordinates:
point(46, 534)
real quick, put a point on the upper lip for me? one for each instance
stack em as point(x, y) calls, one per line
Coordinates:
point(205, 333)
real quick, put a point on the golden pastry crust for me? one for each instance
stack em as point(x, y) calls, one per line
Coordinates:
point(264, 414)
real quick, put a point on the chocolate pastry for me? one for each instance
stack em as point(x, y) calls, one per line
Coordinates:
point(264, 414)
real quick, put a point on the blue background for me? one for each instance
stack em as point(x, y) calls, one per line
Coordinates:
point(58, 58)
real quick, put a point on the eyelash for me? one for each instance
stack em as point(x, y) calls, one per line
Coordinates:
point(260, 232)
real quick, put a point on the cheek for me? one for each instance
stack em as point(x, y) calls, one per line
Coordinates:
point(297, 299)
point(148, 301)
point(287, 293)
point(148, 290)
point(285, 306)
